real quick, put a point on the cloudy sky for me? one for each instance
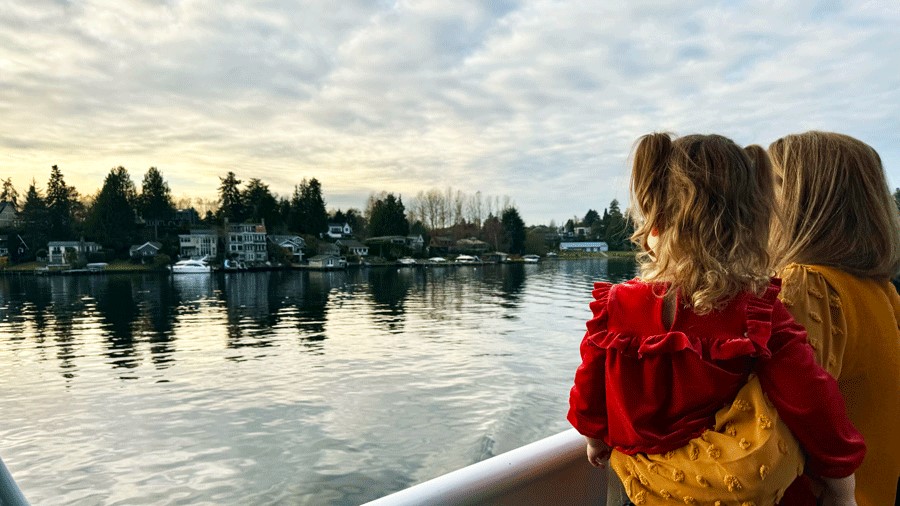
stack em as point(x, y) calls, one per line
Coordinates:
point(540, 101)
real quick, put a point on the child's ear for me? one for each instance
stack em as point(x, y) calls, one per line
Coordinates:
point(654, 232)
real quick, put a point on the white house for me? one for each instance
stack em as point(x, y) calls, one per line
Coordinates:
point(294, 244)
point(198, 244)
point(353, 247)
point(57, 250)
point(327, 262)
point(338, 230)
point(247, 242)
point(588, 246)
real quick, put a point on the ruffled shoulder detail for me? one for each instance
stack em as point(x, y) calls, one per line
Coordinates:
point(600, 309)
point(755, 341)
point(629, 343)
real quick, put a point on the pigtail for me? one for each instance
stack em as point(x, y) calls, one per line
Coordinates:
point(649, 171)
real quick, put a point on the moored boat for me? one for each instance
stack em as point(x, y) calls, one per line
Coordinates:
point(407, 262)
point(467, 259)
point(191, 266)
point(531, 259)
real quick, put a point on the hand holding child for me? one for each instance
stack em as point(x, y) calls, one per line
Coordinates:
point(597, 452)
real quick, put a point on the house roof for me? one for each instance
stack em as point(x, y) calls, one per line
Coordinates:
point(318, 258)
point(152, 244)
point(7, 204)
point(350, 243)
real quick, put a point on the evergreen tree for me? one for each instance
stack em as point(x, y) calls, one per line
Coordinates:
point(317, 216)
point(62, 207)
point(308, 214)
point(9, 193)
point(231, 202)
point(388, 217)
point(36, 221)
point(590, 217)
point(111, 220)
point(260, 204)
point(155, 202)
point(617, 228)
point(513, 230)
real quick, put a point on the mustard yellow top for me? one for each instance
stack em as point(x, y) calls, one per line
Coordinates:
point(853, 328)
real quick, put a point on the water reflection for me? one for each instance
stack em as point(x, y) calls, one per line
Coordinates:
point(299, 387)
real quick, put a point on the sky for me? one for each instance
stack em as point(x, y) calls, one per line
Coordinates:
point(539, 101)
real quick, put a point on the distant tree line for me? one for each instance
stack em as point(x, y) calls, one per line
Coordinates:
point(119, 215)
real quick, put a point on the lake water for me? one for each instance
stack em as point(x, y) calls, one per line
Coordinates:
point(282, 387)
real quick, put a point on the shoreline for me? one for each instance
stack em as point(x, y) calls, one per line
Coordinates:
point(38, 269)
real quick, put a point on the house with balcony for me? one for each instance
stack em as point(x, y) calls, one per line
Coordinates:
point(198, 244)
point(293, 244)
point(246, 242)
point(62, 252)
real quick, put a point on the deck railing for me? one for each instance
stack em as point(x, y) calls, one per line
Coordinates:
point(553, 470)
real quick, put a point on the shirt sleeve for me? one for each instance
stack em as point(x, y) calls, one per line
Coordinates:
point(816, 306)
point(587, 399)
point(808, 400)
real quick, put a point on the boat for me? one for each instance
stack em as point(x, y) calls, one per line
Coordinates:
point(407, 262)
point(531, 259)
point(467, 259)
point(553, 470)
point(437, 261)
point(191, 266)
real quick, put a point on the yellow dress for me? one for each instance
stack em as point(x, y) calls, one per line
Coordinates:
point(853, 325)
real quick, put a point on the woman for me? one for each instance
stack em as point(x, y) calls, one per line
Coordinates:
point(836, 246)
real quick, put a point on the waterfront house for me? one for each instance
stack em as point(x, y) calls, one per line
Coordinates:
point(471, 245)
point(327, 262)
point(246, 242)
point(339, 230)
point(441, 244)
point(588, 246)
point(294, 245)
point(9, 216)
point(60, 252)
point(415, 242)
point(198, 244)
point(144, 251)
point(352, 247)
point(329, 248)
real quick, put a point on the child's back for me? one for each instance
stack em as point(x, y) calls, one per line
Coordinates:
point(665, 353)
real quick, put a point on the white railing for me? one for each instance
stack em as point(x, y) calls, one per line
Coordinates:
point(554, 470)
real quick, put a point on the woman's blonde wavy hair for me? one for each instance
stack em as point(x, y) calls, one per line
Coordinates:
point(711, 202)
point(835, 204)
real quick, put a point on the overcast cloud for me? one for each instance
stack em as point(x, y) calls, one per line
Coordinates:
point(540, 101)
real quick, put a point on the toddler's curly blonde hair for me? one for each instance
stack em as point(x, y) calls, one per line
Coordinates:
point(711, 202)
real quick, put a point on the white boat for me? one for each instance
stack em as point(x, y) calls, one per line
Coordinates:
point(437, 261)
point(407, 262)
point(191, 266)
point(531, 259)
point(550, 471)
point(467, 259)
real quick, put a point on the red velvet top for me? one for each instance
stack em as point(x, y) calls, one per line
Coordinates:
point(644, 388)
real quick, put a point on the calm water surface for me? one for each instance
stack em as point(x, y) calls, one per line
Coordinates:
point(282, 387)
